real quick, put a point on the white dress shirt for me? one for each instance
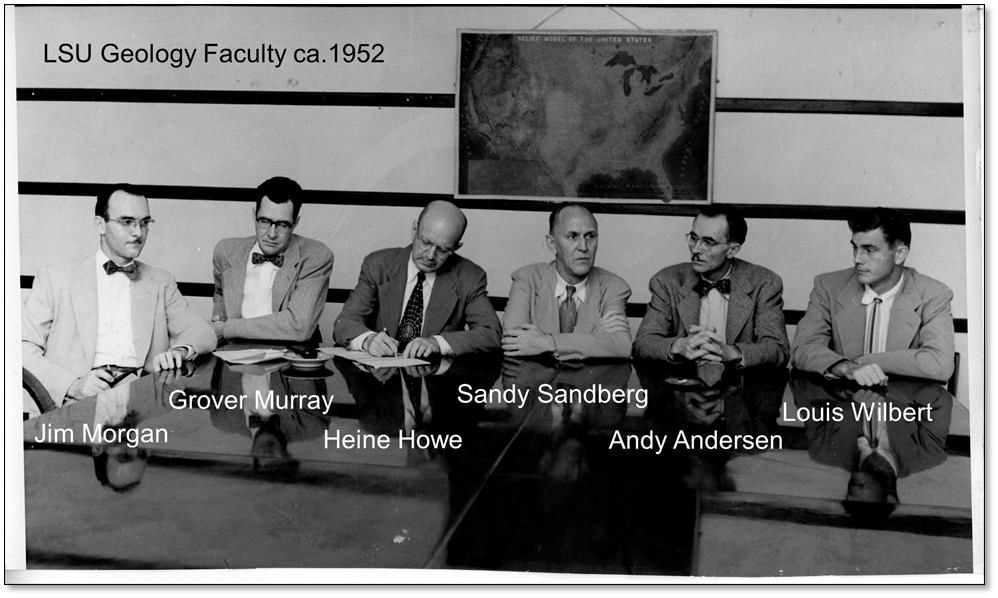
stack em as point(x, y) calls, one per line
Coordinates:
point(714, 310)
point(115, 342)
point(883, 316)
point(560, 290)
point(357, 344)
point(259, 287)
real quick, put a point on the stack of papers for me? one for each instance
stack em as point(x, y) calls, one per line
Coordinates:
point(365, 358)
point(249, 356)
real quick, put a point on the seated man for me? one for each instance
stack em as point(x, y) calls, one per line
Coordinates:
point(421, 300)
point(878, 317)
point(568, 307)
point(716, 307)
point(271, 286)
point(108, 309)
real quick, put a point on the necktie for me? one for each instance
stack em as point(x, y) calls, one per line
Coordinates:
point(568, 313)
point(703, 287)
point(131, 270)
point(414, 386)
point(412, 319)
point(277, 260)
point(871, 344)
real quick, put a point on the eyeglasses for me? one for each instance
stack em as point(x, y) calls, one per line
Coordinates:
point(130, 224)
point(444, 253)
point(283, 226)
point(707, 243)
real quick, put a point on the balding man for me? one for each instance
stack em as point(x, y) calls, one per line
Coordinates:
point(568, 308)
point(423, 299)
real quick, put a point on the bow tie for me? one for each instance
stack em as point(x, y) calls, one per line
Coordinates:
point(703, 287)
point(277, 260)
point(258, 421)
point(131, 270)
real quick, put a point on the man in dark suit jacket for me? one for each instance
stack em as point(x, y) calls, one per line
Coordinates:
point(271, 286)
point(715, 307)
point(421, 300)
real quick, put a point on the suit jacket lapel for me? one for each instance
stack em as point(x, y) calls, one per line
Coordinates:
point(143, 313)
point(234, 279)
point(689, 305)
point(739, 304)
point(286, 274)
point(850, 320)
point(904, 322)
point(390, 293)
point(547, 316)
point(442, 302)
point(84, 294)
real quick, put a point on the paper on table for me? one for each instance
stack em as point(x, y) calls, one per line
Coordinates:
point(365, 358)
point(248, 356)
point(388, 362)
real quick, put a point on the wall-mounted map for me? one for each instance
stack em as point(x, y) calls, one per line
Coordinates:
point(612, 115)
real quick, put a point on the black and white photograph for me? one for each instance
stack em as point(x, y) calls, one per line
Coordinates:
point(315, 288)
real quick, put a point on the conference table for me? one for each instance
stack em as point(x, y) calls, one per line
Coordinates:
point(605, 467)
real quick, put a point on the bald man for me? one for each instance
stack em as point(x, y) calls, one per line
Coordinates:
point(423, 299)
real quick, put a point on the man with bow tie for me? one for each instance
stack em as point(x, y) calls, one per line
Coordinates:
point(272, 286)
point(715, 307)
point(108, 309)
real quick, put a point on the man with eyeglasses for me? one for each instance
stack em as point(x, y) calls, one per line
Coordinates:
point(87, 323)
point(878, 317)
point(423, 299)
point(715, 307)
point(271, 286)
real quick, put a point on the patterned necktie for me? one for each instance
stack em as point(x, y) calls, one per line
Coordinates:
point(131, 270)
point(874, 329)
point(703, 287)
point(412, 319)
point(277, 260)
point(568, 313)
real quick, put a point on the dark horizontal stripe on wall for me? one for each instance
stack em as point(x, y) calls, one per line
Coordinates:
point(634, 310)
point(447, 100)
point(418, 200)
point(254, 98)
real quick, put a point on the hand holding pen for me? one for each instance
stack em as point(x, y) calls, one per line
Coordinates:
point(382, 345)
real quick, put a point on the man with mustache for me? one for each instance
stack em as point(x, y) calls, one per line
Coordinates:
point(715, 307)
point(108, 309)
point(878, 317)
point(423, 299)
point(568, 307)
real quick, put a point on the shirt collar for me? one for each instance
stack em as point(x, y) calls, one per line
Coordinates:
point(101, 258)
point(560, 284)
point(413, 272)
point(869, 294)
point(726, 274)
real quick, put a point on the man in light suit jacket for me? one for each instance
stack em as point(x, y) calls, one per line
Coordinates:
point(715, 307)
point(423, 299)
point(108, 309)
point(878, 317)
point(272, 286)
point(538, 320)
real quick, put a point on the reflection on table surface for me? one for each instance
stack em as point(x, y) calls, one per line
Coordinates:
point(481, 463)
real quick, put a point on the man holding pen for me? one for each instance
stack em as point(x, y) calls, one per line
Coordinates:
point(422, 299)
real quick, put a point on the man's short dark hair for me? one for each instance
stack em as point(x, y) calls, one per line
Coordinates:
point(100, 470)
point(553, 218)
point(896, 226)
point(280, 189)
point(737, 227)
point(105, 196)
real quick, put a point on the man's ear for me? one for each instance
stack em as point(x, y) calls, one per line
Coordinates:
point(549, 241)
point(415, 225)
point(733, 250)
point(100, 224)
point(901, 254)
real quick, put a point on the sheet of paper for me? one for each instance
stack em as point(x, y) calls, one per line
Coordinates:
point(345, 353)
point(390, 362)
point(248, 356)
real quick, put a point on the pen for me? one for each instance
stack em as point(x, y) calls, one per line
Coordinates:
point(386, 334)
